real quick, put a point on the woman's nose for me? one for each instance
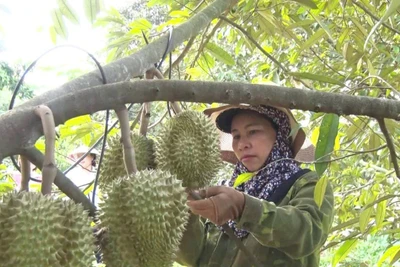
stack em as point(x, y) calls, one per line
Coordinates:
point(243, 143)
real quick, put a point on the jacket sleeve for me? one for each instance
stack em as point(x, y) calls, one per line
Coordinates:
point(298, 228)
point(192, 242)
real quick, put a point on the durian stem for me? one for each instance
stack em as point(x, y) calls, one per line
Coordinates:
point(62, 182)
point(175, 106)
point(145, 119)
point(155, 72)
point(128, 150)
point(49, 170)
point(25, 173)
point(232, 236)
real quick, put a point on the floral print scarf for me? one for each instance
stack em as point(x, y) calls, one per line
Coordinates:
point(279, 166)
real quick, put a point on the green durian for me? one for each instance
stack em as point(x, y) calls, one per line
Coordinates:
point(188, 147)
point(113, 165)
point(145, 215)
point(37, 230)
point(78, 248)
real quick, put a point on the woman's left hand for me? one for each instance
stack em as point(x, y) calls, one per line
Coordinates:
point(220, 205)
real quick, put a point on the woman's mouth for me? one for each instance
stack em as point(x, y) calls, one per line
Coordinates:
point(247, 157)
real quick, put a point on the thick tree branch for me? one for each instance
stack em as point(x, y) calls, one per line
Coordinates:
point(390, 145)
point(49, 170)
point(62, 182)
point(23, 127)
point(142, 60)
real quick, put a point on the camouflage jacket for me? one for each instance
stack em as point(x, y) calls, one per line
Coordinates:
point(286, 231)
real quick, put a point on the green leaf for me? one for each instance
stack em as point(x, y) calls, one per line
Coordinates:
point(319, 192)
point(393, 6)
point(374, 141)
point(390, 253)
point(242, 178)
point(395, 258)
point(141, 24)
point(220, 54)
point(316, 77)
point(179, 13)
point(380, 213)
point(343, 251)
point(316, 37)
point(67, 11)
point(194, 72)
point(364, 218)
point(92, 8)
point(326, 140)
point(58, 23)
point(307, 3)
point(53, 34)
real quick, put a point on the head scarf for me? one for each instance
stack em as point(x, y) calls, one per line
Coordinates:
point(278, 167)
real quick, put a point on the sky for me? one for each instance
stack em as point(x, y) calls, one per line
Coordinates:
point(24, 36)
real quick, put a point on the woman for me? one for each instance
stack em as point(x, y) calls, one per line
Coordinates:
point(84, 173)
point(274, 213)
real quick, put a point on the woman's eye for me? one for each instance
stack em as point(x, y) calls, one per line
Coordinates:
point(252, 131)
point(236, 137)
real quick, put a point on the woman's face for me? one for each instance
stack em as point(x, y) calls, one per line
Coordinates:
point(253, 139)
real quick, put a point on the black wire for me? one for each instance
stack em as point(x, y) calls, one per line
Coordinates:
point(166, 49)
point(17, 87)
point(101, 156)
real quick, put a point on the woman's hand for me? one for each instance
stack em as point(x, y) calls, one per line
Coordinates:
point(220, 204)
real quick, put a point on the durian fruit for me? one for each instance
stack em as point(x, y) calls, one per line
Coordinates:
point(146, 215)
point(188, 147)
point(34, 232)
point(78, 247)
point(113, 165)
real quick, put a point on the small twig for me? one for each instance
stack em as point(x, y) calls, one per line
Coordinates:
point(49, 170)
point(128, 150)
point(232, 236)
point(390, 145)
point(197, 7)
point(182, 55)
point(383, 80)
point(375, 17)
point(136, 120)
point(25, 173)
point(268, 55)
point(204, 42)
point(160, 120)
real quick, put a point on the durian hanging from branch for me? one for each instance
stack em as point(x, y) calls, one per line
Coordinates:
point(188, 146)
point(62, 235)
point(146, 217)
point(49, 170)
point(128, 151)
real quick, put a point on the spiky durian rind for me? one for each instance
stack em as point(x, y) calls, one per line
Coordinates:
point(145, 215)
point(36, 232)
point(113, 163)
point(188, 147)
